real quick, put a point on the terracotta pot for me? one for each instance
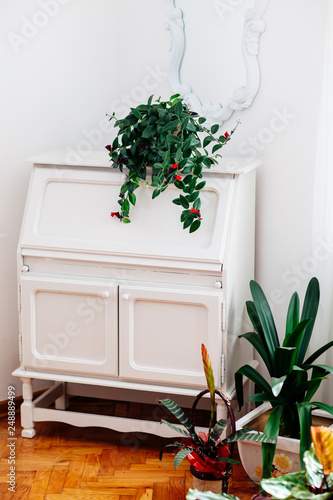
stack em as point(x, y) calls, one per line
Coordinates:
point(202, 481)
point(286, 458)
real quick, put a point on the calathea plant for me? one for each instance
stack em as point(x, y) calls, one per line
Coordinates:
point(315, 482)
point(207, 453)
point(162, 143)
point(293, 377)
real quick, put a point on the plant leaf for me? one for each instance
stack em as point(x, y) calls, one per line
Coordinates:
point(293, 313)
point(310, 308)
point(260, 397)
point(176, 428)
point(277, 384)
point(294, 338)
point(247, 434)
point(170, 445)
point(265, 317)
point(313, 467)
point(280, 487)
point(149, 131)
point(208, 495)
point(214, 128)
point(256, 340)
point(136, 113)
point(268, 450)
point(322, 438)
point(181, 455)
point(195, 225)
point(181, 417)
point(216, 431)
point(304, 415)
point(284, 358)
point(318, 353)
point(249, 372)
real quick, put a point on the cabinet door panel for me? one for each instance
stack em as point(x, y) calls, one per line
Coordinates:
point(70, 325)
point(161, 332)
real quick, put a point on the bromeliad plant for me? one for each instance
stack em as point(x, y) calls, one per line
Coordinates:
point(169, 138)
point(208, 453)
point(290, 387)
point(315, 482)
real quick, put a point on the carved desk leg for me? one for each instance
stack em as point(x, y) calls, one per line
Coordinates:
point(27, 408)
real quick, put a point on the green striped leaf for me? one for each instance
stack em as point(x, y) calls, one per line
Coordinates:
point(170, 445)
point(216, 432)
point(176, 428)
point(180, 415)
point(248, 434)
point(181, 455)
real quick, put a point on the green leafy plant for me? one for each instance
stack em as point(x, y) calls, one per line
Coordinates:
point(208, 495)
point(290, 388)
point(315, 482)
point(165, 142)
point(207, 453)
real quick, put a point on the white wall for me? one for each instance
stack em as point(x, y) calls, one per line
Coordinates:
point(86, 58)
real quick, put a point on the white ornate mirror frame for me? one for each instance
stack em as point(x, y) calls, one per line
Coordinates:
point(241, 96)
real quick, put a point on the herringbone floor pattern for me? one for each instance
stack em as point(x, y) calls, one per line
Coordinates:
point(64, 462)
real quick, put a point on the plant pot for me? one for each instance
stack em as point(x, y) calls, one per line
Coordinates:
point(203, 481)
point(286, 457)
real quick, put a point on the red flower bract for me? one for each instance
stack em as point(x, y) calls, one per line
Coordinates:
point(207, 464)
point(178, 178)
point(116, 214)
point(195, 211)
point(173, 167)
point(227, 135)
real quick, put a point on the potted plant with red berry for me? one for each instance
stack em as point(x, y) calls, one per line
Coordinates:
point(161, 143)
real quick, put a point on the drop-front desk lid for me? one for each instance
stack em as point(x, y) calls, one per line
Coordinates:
point(68, 210)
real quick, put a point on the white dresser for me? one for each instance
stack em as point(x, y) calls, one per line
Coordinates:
point(118, 310)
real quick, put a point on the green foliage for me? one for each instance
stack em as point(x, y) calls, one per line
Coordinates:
point(208, 495)
point(293, 378)
point(315, 482)
point(171, 140)
point(309, 484)
point(207, 452)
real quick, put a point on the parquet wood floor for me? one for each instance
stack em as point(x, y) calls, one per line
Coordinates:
point(64, 462)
